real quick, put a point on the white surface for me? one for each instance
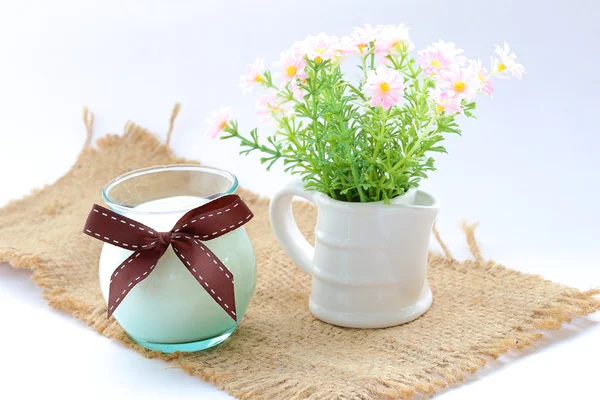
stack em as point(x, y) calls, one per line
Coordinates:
point(526, 168)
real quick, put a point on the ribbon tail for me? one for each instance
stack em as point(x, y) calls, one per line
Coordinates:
point(118, 230)
point(132, 271)
point(209, 271)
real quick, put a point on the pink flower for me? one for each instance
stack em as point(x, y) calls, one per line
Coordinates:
point(462, 83)
point(218, 121)
point(433, 62)
point(360, 38)
point(445, 102)
point(291, 66)
point(392, 40)
point(450, 51)
point(507, 62)
point(320, 47)
point(337, 49)
point(439, 58)
point(481, 72)
point(270, 107)
point(384, 87)
point(253, 76)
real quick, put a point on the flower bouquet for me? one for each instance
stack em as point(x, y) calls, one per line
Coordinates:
point(365, 136)
point(361, 140)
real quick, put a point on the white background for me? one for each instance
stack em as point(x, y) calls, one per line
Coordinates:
point(526, 168)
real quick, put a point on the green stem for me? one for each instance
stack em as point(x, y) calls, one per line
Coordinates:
point(332, 98)
point(407, 156)
point(287, 96)
point(260, 147)
point(361, 193)
point(312, 78)
point(364, 66)
point(378, 143)
point(250, 143)
point(381, 133)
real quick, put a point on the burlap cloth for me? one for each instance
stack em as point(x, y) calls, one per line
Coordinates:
point(280, 351)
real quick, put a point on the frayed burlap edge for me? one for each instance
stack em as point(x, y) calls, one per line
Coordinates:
point(571, 303)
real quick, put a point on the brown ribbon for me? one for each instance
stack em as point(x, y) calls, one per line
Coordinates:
point(203, 223)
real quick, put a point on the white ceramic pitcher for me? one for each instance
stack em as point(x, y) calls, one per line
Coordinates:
point(369, 262)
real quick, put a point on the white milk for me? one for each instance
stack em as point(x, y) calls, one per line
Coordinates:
point(170, 306)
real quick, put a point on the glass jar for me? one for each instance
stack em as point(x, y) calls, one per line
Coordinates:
point(169, 311)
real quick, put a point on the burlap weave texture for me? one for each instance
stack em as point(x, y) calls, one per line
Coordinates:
point(280, 351)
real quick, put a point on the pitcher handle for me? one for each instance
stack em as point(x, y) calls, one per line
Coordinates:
point(285, 228)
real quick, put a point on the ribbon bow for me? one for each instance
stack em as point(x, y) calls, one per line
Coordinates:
point(203, 223)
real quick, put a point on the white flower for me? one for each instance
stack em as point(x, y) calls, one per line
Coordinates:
point(270, 107)
point(360, 38)
point(506, 62)
point(253, 76)
point(487, 86)
point(320, 47)
point(218, 121)
point(450, 52)
point(393, 39)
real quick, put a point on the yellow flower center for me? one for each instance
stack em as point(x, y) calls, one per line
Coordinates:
point(291, 71)
point(481, 78)
point(222, 125)
point(398, 44)
point(459, 86)
point(439, 108)
point(319, 50)
point(361, 47)
point(436, 64)
point(384, 86)
point(501, 67)
point(259, 79)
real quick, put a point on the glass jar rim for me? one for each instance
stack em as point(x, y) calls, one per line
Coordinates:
point(164, 168)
